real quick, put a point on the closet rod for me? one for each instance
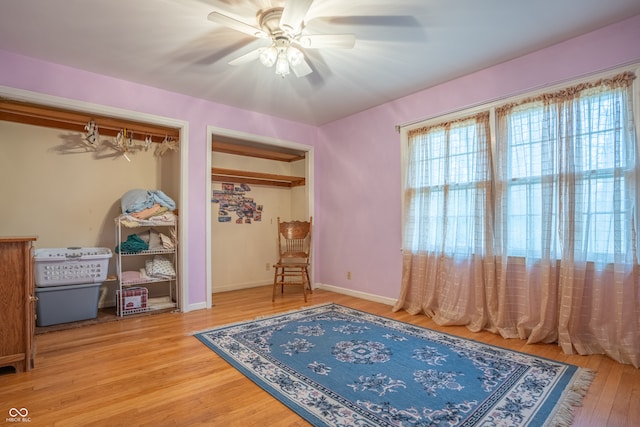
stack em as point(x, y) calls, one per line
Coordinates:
point(38, 115)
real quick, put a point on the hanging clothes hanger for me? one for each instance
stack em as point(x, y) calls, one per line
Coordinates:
point(91, 136)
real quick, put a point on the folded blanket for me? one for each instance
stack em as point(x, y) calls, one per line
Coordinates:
point(138, 200)
point(160, 267)
point(153, 238)
point(146, 213)
point(167, 243)
point(155, 242)
point(130, 276)
point(166, 218)
point(133, 244)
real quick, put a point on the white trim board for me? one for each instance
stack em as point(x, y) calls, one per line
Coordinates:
point(358, 294)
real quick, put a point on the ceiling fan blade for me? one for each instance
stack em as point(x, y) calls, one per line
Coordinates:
point(293, 15)
point(232, 23)
point(301, 69)
point(247, 57)
point(340, 41)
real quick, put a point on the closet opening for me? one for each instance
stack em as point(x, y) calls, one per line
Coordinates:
point(67, 189)
point(268, 178)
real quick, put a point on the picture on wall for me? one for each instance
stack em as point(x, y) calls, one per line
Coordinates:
point(232, 201)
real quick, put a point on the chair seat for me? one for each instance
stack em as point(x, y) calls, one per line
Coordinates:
point(291, 264)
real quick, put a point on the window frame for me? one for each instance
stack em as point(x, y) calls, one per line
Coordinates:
point(490, 106)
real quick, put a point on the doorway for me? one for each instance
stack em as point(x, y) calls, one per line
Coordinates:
point(229, 235)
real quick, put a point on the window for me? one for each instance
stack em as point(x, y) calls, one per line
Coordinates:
point(565, 178)
point(448, 184)
point(526, 171)
point(545, 247)
point(567, 162)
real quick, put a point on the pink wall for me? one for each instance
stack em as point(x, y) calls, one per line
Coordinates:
point(53, 79)
point(358, 158)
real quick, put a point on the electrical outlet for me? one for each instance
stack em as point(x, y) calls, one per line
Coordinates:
point(267, 267)
point(348, 275)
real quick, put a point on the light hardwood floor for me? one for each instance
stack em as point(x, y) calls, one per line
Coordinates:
point(151, 371)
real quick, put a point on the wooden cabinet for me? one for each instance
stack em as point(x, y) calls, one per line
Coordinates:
point(17, 303)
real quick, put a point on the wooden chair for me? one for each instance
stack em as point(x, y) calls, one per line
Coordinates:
point(294, 248)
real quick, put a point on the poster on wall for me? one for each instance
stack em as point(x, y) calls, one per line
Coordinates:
point(233, 202)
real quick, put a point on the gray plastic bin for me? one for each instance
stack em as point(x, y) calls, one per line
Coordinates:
point(68, 303)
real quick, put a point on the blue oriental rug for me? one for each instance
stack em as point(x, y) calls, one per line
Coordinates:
point(336, 366)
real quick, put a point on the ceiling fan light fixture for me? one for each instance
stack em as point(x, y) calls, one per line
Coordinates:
point(295, 56)
point(284, 26)
point(269, 56)
point(282, 64)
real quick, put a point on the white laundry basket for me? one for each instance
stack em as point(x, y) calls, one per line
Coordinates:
point(70, 266)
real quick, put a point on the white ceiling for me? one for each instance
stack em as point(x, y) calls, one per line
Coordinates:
point(403, 46)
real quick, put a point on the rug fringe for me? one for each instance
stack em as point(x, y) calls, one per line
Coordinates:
point(572, 397)
point(266, 316)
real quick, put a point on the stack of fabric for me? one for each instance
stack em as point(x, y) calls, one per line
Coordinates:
point(157, 268)
point(149, 240)
point(146, 207)
point(143, 204)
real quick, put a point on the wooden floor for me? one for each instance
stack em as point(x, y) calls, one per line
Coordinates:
point(151, 371)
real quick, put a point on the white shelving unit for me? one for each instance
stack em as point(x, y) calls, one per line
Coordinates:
point(134, 261)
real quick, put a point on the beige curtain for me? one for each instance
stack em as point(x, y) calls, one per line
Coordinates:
point(447, 258)
point(558, 258)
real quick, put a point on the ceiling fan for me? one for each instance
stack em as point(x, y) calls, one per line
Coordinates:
point(284, 28)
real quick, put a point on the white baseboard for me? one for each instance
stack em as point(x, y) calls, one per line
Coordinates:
point(357, 294)
point(331, 288)
point(197, 306)
point(238, 286)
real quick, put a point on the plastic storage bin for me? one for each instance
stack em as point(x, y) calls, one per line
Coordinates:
point(70, 266)
point(67, 303)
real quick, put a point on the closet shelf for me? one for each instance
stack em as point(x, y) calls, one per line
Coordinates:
point(258, 150)
point(149, 252)
point(245, 177)
point(145, 281)
point(71, 120)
